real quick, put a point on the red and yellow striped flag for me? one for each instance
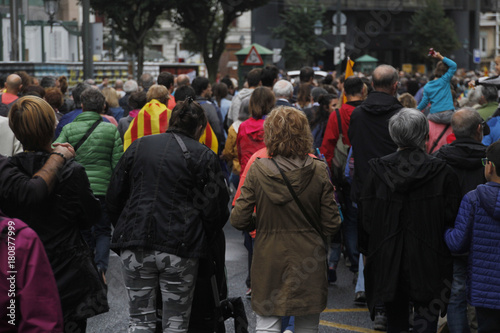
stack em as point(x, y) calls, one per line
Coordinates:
point(209, 139)
point(348, 72)
point(154, 118)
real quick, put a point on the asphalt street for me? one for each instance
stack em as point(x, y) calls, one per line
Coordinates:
point(341, 314)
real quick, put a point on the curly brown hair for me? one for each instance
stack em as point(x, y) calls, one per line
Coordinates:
point(287, 133)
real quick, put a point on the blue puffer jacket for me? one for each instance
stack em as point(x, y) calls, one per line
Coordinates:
point(477, 230)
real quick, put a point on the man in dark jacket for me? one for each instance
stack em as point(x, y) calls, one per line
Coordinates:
point(203, 90)
point(369, 136)
point(408, 201)
point(464, 157)
point(368, 129)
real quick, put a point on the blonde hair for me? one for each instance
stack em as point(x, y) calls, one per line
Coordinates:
point(408, 101)
point(33, 122)
point(287, 133)
point(159, 93)
point(111, 97)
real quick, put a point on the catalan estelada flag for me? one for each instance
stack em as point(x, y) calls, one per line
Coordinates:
point(209, 139)
point(154, 118)
point(348, 72)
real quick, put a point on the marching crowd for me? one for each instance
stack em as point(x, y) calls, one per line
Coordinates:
point(397, 172)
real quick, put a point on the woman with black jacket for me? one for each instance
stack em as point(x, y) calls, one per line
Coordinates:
point(58, 219)
point(167, 200)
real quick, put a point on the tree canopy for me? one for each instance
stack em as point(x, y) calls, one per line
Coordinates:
point(431, 28)
point(134, 22)
point(206, 24)
point(297, 30)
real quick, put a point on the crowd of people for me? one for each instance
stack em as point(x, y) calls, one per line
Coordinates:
point(397, 173)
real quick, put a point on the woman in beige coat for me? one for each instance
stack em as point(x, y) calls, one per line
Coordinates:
point(289, 264)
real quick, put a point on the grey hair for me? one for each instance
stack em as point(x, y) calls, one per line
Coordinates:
point(409, 128)
point(474, 95)
point(92, 100)
point(490, 93)
point(130, 86)
point(283, 89)
point(146, 80)
point(464, 123)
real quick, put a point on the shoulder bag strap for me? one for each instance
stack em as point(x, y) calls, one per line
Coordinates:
point(86, 136)
point(439, 138)
point(339, 121)
point(185, 151)
point(299, 203)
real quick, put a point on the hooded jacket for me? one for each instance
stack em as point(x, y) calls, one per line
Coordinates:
point(250, 139)
point(234, 110)
point(464, 157)
point(409, 200)
point(477, 231)
point(369, 134)
point(289, 270)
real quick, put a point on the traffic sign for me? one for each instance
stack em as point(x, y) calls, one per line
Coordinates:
point(477, 56)
point(253, 58)
point(343, 30)
point(343, 18)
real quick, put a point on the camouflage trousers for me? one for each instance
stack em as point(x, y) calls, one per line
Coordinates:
point(144, 271)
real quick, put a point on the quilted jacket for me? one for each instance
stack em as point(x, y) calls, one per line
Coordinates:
point(100, 153)
point(477, 230)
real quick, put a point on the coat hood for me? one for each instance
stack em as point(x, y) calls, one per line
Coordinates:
point(379, 102)
point(489, 198)
point(253, 125)
point(463, 154)
point(244, 93)
point(299, 173)
point(406, 169)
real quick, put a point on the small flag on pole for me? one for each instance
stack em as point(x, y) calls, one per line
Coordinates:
point(348, 72)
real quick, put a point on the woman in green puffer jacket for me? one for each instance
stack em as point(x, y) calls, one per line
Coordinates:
point(99, 153)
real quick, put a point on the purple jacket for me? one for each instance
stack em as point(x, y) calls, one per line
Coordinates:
point(36, 299)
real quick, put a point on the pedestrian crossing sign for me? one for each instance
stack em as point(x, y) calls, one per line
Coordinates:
point(253, 58)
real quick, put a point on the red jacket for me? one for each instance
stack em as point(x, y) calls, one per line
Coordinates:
point(332, 130)
point(36, 299)
point(250, 139)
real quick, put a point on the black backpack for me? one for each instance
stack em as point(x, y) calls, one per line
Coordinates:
point(5, 108)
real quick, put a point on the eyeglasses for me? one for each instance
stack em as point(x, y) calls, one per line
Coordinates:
point(485, 161)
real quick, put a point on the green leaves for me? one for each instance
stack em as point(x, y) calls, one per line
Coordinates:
point(297, 30)
point(431, 28)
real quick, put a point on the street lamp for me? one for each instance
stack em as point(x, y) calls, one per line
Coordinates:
point(51, 8)
point(318, 28)
point(242, 41)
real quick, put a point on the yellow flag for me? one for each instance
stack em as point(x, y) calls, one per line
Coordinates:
point(348, 72)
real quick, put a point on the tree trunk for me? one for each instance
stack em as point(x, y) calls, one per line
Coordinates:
point(140, 60)
point(212, 68)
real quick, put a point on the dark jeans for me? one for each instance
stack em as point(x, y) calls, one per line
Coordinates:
point(398, 315)
point(350, 234)
point(288, 323)
point(249, 246)
point(488, 320)
point(457, 309)
point(98, 237)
